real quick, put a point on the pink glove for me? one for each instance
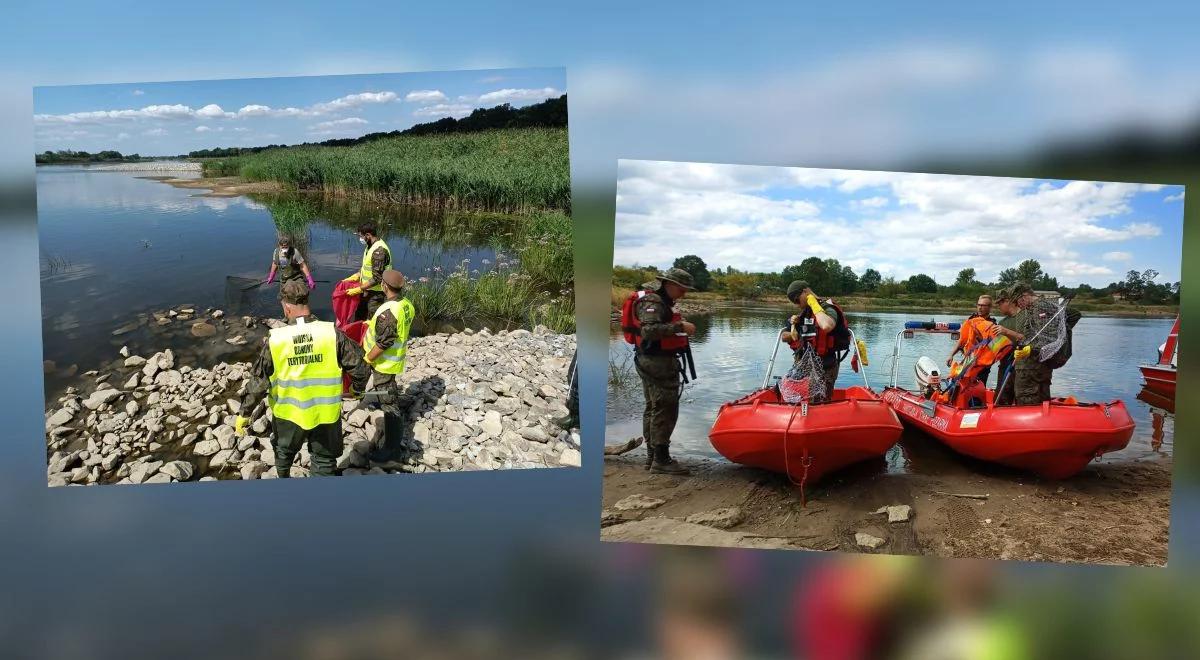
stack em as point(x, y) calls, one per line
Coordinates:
point(271, 278)
point(311, 284)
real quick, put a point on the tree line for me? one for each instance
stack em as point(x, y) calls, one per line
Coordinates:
point(550, 113)
point(68, 156)
point(828, 277)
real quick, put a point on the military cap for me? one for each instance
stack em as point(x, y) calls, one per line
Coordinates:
point(1003, 294)
point(1019, 289)
point(795, 288)
point(678, 276)
point(294, 292)
point(394, 279)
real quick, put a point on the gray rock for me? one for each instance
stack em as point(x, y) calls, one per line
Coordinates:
point(535, 434)
point(719, 518)
point(492, 423)
point(178, 470)
point(135, 361)
point(131, 408)
point(638, 502)
point(253, 470)
point(220, 458)
point(867, 540)
point(358, 418)
point(139, 472)
point(100, 398)
point(896, 513)
point(206, 448)
point(570, 458)
point(59, 418)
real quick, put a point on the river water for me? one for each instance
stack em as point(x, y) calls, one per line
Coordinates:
point(116, 246)
point(733, 346)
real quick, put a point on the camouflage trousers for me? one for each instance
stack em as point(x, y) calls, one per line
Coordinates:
point(1032, 385)
point(324, 447)
point(661, 387)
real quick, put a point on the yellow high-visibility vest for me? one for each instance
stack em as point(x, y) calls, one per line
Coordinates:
point(391, 360)
point(364, 274)
point(306, 386)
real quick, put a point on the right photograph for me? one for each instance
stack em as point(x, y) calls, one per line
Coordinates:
point(892, 362)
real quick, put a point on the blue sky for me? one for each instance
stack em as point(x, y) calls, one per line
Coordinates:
point(168, 118)
point(766, 218)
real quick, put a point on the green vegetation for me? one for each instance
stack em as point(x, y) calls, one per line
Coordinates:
point(62, 157)
point(696, 267)
point(1139, 293)
point(513, 170)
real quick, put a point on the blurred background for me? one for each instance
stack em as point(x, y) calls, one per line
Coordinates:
point(501, 565)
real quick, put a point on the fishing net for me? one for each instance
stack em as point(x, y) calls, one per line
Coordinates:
point(245, 295)
point(805, 381)
point(1048, 329)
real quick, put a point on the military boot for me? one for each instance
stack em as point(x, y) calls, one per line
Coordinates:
point(567, 422)
point(649, 455)
point(664, 464)
point(395, 412)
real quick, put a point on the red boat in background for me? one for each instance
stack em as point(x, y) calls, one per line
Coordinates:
point(1160, 376)
point(806, 441)
point(1056, 439)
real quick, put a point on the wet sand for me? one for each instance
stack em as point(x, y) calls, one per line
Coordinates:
point(224, 186)
point(1112, 513)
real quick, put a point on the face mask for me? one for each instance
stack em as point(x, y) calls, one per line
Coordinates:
point(362, 240)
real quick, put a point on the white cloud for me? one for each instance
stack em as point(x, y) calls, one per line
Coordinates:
point(208, 129)
point(339, 124)
point(1117, 256)
point(518, 96)
point(426, 96)
point(137, 92)
point(1174, 198)
point(869, 203)
point(353, 101)
point(123, 136)
point(213, 111)
point(155, 132)
point(765, 218)
point(456, 110)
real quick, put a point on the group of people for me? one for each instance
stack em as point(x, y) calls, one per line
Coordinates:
point(1023, 377)
point(301, 365)
point(660, 336)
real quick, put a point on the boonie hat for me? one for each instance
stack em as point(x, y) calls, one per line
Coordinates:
point(678, 276)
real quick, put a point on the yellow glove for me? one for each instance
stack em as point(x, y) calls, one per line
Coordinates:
point(356, 291)
point(353, 278)
point(1022, 353)
point(239, 427)
point(814, 305)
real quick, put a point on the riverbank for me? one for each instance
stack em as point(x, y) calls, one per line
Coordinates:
point(482, 401)
point(710, 301)
point(1112, 513)
point(151, 166)
point(225, 186)
point(508, 170)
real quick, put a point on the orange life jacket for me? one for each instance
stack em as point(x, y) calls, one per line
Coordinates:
point(824, 341)
point(631, 328)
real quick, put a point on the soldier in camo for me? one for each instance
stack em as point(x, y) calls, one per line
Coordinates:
point(1032, 375)
point(660, 370)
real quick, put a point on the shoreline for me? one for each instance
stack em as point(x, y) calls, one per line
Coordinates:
point(1112, 513)
point(480, 403)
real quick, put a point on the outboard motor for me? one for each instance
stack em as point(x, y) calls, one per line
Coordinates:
point(928, 376)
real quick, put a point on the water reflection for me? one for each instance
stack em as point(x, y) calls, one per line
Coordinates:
point(733, 346)
point(116, 245)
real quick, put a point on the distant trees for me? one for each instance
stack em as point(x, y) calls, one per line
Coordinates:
point(870, 280)
point(68, 156)
point(697, 268)
point(1030, 272)
point(921, 283)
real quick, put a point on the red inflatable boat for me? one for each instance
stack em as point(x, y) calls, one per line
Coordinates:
point(1160, 376)
point(1056, 439)
point(761, 431)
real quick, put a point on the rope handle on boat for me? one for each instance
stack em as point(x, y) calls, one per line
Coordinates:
point(805, 459)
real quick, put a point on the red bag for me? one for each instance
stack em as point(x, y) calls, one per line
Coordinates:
point(344, 306)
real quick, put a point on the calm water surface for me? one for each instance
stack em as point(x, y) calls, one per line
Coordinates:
point(732, 349)
point(115, 245)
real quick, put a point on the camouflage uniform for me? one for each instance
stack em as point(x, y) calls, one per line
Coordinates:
point(1006, 387)
point(1032, 376)
point(661, 384)
point(371, 300)
point(325, 441)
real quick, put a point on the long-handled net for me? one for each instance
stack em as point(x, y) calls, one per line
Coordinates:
point(1048, 323)
point(805, 381)
point(245, 295)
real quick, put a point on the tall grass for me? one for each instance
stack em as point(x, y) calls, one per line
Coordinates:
point(500, 296)
point(513, 170)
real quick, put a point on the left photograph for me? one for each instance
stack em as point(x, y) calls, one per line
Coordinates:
point(310, 276)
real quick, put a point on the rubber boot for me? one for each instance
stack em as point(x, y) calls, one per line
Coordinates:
point(567, 422)
point(393, 432)
point(664, 464)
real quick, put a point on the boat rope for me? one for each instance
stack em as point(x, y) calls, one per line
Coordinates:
point(805, 459)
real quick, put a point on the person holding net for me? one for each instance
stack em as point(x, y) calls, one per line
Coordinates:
point(819, 338)
point(288, 264)
point(1047, 328)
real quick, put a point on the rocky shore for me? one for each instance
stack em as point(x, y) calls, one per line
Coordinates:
point(481, 401)
point(151, 166)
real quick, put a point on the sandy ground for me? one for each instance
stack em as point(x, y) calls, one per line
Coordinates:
point(225, 186)
point(1112, 513)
